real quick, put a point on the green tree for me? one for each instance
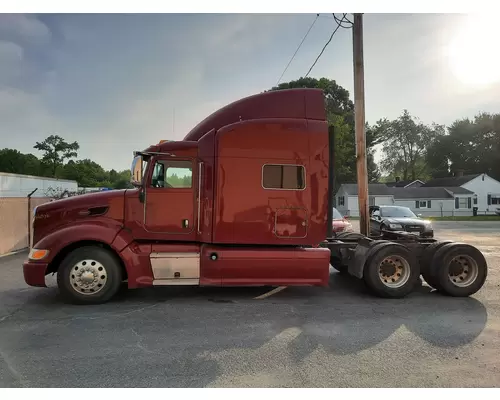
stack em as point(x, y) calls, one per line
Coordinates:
point(340, 115)
point(15, 162)
point(55, 151)
point(405, 145)
point(472, 146)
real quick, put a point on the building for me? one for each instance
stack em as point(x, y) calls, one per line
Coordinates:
point(435, 201)
point(426, 201)
point(16, 185)
point(346, 198)
point(16, 210)
point(485, 189)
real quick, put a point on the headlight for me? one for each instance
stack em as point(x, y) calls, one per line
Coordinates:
point(395, 226)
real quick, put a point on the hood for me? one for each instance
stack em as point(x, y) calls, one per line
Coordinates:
point(54, 215)
point(404, 220)
point(85, 200)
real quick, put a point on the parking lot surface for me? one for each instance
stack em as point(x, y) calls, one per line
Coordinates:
point(299, 337)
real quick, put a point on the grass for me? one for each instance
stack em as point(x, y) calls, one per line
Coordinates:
point(456, 218)
point(468, 218)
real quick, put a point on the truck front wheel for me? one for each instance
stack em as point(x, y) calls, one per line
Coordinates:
point(89, 275)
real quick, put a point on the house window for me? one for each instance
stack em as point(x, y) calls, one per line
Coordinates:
point(463, 202)
point(475, 200)
point(422, 204)
point(340, 201)
point(284, 177)
point(495, 200)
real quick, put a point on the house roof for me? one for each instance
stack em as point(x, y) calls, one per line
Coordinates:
point(450, 181)
point(424, 193)
point(374, 189)
point(402, 183)
point(428, 193)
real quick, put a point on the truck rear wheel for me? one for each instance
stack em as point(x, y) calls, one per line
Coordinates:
point(392, 271)
point(89, 275)
point(426, 261)
point(459, 269)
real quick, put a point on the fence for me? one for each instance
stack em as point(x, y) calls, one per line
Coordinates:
point(15, 220)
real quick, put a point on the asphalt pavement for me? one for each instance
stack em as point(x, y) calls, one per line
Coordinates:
point(299, 337)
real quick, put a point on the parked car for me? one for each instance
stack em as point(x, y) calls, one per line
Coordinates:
point(340, 223)
point(397, 218)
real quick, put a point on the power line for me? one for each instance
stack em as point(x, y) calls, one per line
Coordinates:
point(339, 25)
point(298, 48)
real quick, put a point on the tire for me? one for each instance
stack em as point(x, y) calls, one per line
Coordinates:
point(107, 275)
point(426, 261)
point(459, 269)
point(403, 263)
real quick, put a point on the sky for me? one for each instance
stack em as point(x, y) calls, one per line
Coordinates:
point(119, 83)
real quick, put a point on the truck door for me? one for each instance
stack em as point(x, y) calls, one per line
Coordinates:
point(170, 199)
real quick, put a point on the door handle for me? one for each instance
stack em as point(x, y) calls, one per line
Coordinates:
point(185, 223)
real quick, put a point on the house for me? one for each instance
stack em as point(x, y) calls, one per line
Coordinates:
point(346, 198)
point(435, 201)
point(486, 190)
point(427, 201)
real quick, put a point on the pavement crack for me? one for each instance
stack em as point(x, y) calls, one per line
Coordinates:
point(139, 342)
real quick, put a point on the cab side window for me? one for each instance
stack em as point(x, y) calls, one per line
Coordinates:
point(172, 174)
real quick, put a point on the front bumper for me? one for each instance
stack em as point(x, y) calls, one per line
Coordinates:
point(34, 273)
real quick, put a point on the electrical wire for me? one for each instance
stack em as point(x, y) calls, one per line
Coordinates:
point(341, 20)
point(339, 25)
point(298, 48)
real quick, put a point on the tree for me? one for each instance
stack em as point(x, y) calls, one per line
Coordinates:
point(55, 151)
point(340, 116)
point(471, 146)
point(405, 144)
point(15, 162)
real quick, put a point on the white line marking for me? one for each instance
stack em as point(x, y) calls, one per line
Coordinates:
point(270, 293)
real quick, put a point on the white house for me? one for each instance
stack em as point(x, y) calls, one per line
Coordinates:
point(346, 198)
point(486, 190)
point(427, 201)
point(435, 201)
point(16, 185)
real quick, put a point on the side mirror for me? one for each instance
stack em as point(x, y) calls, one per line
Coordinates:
point(136, 172)
point(419, 215)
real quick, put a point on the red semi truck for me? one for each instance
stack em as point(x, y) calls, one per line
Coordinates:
point(244, 199)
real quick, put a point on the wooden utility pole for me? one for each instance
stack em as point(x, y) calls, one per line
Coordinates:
point(359, 123)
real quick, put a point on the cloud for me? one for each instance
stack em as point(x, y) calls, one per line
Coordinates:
point(25, 28)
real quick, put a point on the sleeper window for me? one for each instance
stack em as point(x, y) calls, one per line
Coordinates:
point(288, 177)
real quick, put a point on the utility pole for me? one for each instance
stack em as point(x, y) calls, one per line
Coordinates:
point(359, 123)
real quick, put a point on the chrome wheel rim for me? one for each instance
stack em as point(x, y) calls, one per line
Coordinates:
point(463, 271)
point(394, 271)
point(88, 277)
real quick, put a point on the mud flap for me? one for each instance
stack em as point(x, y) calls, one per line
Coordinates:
point(357, 261)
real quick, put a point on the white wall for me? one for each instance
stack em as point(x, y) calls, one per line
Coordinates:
point(353, 205)
point(14, 185)
point(482, 188)
point(435, 210)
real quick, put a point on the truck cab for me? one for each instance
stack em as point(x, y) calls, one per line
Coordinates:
point(241, 200)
